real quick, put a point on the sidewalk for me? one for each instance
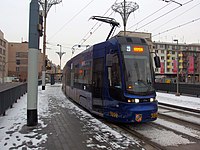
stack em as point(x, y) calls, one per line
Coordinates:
point(182, 101)
point(62, 126)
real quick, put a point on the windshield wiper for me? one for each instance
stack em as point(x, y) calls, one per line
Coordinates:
point(146, 84)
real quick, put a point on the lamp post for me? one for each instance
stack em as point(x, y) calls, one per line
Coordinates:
point(177, 73)
point(125, 9)
point(46, 5)
point(60, 53)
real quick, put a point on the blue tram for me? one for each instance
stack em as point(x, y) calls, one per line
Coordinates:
point(114, 79)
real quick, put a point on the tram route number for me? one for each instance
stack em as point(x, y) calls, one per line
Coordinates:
point(113, 114)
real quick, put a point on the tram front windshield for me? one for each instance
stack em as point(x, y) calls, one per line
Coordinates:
point(137, 69)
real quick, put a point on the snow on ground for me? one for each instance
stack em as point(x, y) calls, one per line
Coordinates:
point(107, 137)
point(15, 134)
point(180, 128)
point(11, 128)
point(184, 101)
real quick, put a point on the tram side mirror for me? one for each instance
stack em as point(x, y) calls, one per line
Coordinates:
point(157, 61)
point(109, 60)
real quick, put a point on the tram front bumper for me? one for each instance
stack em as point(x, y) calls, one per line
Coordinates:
point(133, 113)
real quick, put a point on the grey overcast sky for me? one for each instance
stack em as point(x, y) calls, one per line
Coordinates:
point(68, 22)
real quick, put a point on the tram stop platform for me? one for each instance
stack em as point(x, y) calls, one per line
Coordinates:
point(62, 125)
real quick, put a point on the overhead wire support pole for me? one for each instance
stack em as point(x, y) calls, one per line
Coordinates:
point(124, 21)
point(46, 5)
point(32, 95)
point(125, 9)
point(177, 73)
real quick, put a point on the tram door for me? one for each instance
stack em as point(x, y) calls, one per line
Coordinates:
point(97, 81)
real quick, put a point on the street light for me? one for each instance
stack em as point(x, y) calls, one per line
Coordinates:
point(46, 5)
point(60, 54)
point(177, 73)
point(125, 9)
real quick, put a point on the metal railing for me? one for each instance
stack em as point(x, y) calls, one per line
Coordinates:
point(190, 89)
point(10, 93)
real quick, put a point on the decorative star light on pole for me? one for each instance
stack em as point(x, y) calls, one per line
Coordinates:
point(125, 9)
point(60, 54)
point(46, 4)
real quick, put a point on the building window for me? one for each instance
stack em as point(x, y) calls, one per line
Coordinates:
point(3, 68)
point(17, 62)
point(162, 51)
point(4, 44)
point(162, 57)
point(17, 69)
point(17, 54)
point(22, 54)
point(161, 46)
point(156, 51)
point(4, 52)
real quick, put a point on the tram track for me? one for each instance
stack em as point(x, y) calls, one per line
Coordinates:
point(179, 107)
point(168, 132)
point(145, 141)
point(142, 140)
point(153, 136)
point(173, 130)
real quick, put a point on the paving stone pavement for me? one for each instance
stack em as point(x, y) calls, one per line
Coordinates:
point(63, 125)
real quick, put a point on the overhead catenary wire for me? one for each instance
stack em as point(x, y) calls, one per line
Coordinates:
point(177, 27)
point(56, 45)
point(94, 28)
point(150, 15)
point(176, 17)
point(72, 18)
point(92, 32)
point(164, 15)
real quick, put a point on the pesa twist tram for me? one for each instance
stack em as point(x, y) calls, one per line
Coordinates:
point(114, 79)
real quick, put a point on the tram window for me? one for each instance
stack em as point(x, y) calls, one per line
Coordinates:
point(82, 75)
point(115, 73)
point(114, 76)
point(97, 77)
point(68, 74)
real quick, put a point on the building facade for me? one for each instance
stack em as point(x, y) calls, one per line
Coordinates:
point(3, 57)
point(18, 61)
point(184, 58)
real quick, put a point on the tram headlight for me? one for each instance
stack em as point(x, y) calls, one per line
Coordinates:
point(137, 100)
point(152, 99)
